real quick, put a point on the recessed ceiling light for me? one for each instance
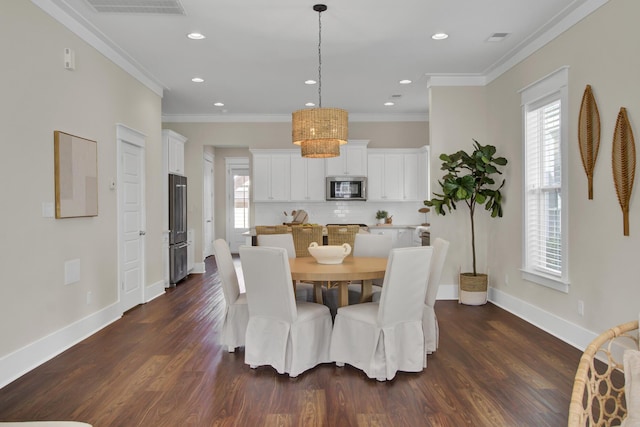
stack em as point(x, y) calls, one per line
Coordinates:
point(219, 104)
point(389, 104)
point(405, 82)
point(197, 80)
point(196, 36)
point(309, 104)
point(310, 82)
point(440, 36)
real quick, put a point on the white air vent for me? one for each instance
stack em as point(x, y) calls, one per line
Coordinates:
point(164, 7)
point(497, 37)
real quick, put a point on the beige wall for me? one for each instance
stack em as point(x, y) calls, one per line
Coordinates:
point(457, 116)
point(235, 140)
point(604, 265)
point(38, 97)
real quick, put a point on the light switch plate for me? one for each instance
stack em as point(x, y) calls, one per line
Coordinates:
point(47, 210)
point(71, 271)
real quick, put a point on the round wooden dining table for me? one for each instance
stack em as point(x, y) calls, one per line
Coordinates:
point(365, 269)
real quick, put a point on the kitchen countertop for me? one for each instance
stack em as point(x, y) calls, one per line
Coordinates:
point(252, 231)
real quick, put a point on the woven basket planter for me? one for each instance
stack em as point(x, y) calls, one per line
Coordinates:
point(472, 289)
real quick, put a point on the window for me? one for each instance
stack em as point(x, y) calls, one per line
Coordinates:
point(545, 228)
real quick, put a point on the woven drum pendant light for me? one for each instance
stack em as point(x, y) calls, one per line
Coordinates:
point(320, 131)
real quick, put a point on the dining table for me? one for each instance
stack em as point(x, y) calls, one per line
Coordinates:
point(363, 269)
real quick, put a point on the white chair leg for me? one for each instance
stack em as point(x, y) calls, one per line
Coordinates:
point(340, 364)
point(231, 349)
point(381, 379)
point(253, 366)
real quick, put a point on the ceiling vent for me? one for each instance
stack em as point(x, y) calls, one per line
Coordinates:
point(163, 7)
point(497, 37)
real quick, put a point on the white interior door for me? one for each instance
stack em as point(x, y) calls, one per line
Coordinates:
point(131, 220)
point(207, 208)
point(237, 197)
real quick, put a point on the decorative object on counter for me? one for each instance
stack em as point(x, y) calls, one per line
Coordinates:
point(381, 216)
point(425, 211)
point(330, 254)
point(589, 135)
point(303, 236)
point(288, 219)
point(469, 180)
point(389, 220)
point(624, 164)
point(320, 131)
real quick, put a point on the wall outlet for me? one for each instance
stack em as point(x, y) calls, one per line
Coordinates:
point(89, 297)
point(581, 307)
point(506, 279)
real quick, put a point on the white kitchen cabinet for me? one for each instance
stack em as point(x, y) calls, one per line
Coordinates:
point(271, 179)
point(397, 175)
point(400, 237)
point(351, 162)
point(307, 179)
point(174, 151)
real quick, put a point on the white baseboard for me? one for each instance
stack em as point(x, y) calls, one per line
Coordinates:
point(560, 328)
point(198, 268)
point(154, 291)
point(21, 361)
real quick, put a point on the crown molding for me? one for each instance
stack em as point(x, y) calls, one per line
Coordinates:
point(456, 80)
point(527, 48)
point(285, 118)
point(74, 22)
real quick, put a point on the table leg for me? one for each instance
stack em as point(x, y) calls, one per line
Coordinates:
point(343, 294)
point(317, 292)
point(367, 291)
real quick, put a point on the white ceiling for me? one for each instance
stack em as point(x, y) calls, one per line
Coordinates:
point(258, 53)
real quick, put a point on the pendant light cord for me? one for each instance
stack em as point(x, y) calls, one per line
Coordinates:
point(320, 59)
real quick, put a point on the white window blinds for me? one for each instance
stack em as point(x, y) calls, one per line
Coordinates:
point(544, 184)
point(545, 230)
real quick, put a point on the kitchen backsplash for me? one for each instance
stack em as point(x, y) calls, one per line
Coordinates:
point(340, 212)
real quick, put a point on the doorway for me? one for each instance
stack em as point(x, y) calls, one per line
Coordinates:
point(131, 217)
point(207, 206)
point(237, 198)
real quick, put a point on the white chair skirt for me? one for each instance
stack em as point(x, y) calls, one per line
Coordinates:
point(271, 341)
point(430, 328)
point(234, 327)
point(378, 352)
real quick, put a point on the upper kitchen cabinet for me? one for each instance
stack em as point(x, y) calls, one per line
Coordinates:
point(271, 180)
point(351, 162)
point(173, 145)
point(307, 179)
point(398, 174)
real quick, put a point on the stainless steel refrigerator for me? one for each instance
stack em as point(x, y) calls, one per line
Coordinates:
point(177, 228)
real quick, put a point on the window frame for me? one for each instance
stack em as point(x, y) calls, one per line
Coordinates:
point(550, 88)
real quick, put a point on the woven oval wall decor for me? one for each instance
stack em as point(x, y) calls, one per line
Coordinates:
point(589, 134)
point(624, 164)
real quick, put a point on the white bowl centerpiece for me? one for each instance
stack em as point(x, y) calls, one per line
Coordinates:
point(331, 254)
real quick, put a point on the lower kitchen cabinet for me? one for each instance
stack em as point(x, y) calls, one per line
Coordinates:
point(400, 237)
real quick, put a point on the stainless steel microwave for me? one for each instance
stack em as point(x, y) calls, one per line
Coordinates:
point(346, 188)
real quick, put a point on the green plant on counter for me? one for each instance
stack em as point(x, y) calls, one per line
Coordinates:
point(468, 179)
point(382, 214)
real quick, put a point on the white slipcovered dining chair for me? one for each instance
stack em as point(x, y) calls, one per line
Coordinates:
point(383, 338)
point(429, 319)
point(364, 245)
point(236, 312)
point(290, 336)
point(304, 291)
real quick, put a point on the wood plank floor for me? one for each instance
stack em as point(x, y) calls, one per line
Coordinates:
point(161, 365)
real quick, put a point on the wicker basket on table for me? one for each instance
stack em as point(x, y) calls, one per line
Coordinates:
point(598, 397)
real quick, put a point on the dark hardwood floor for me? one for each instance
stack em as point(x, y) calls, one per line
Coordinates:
point(161, 365)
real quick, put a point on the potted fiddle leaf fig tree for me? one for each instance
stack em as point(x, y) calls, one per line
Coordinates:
point(469, 179)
